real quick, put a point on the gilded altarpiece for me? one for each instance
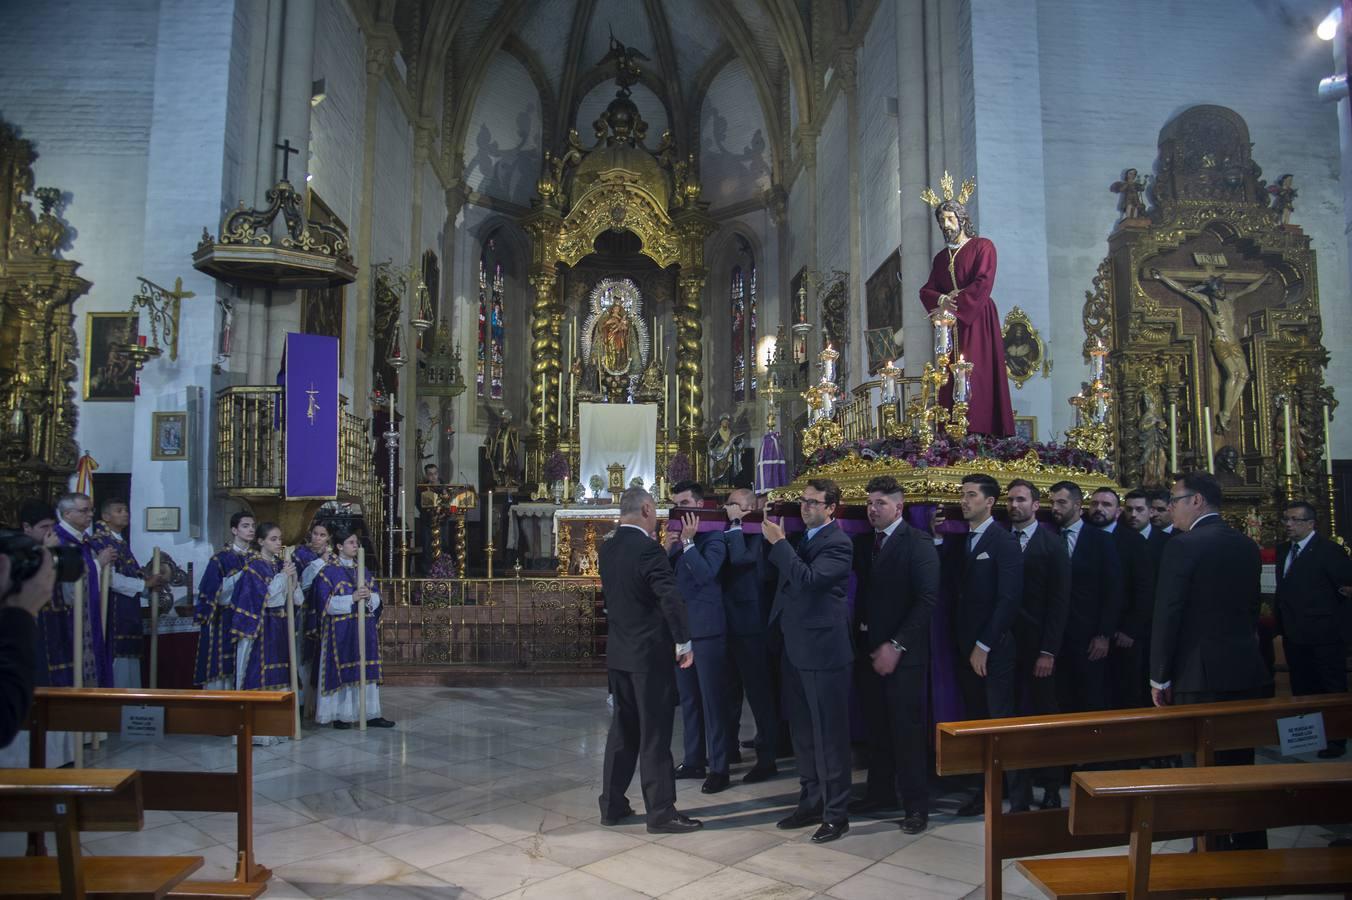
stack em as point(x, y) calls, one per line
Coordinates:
point(37, 337)
point(1209, 305)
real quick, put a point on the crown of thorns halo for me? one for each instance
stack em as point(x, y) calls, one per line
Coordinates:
point(946, 184)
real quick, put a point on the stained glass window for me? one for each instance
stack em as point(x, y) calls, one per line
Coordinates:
point(488, 376)
point(742, 291)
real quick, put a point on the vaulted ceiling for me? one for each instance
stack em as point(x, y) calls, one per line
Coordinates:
point(448, 44)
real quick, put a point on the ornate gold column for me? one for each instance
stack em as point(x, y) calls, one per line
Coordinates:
point(689, 365)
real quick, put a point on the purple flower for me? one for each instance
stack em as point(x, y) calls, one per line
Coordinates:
point(556, 467)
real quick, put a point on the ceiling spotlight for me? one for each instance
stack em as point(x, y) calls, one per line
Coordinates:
point(309, 176)
point(1329, 27)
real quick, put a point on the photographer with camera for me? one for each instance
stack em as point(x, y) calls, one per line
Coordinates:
point(18, 633)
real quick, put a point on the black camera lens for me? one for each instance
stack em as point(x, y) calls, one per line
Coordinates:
point(25, 558)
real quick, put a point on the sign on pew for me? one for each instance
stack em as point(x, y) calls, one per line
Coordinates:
point(1301, 734)
point(143, 723)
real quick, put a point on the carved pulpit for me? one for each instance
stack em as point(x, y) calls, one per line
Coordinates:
point(1210, 305)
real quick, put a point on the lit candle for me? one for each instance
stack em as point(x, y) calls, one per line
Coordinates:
point(1210, 453)
point(1173, 438)
point(1328, 444)
point(1286, 428)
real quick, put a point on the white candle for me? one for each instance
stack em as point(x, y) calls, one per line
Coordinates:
point(542, 401)
point(1286, 428)
point(572, 390)
point(1328, 444)
point(1210, 454)
point(488, 513)
point(1173, 438)
point(560, 419)
point(403, 507)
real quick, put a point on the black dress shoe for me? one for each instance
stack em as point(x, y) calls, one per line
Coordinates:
point(690, 772)
point(974, 807)
point(735, 757)
point(378, 722)
point(760, 773)
point(914, 823)
point(611, 821)
point(867, 805)
point(1051, 800)
point(678, 824)
point(830, 832)
point(799, 819)
point(342, 726)
point(717, 781)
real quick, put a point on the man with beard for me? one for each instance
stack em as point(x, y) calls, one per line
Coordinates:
point(898, 572)
point(1161, 515)
point(961, 279)
point(810, 621)
point(1095, 605)
point(985, 569)
point(1126, 666)
point(1038, 633)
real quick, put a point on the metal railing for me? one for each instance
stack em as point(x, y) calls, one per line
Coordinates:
point(519, 622)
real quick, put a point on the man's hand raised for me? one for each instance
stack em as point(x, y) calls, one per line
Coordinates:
point(772, 531)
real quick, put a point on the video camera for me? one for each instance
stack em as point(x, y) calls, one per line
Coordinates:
point(25, 558)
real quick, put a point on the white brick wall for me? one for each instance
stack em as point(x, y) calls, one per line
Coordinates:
point(393, 182)
point(833, 192)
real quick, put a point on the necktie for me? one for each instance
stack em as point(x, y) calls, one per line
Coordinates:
point(971, 540)
point(878, 538)
point(1291, 560)
point(1070, 540)
point(1023, 540)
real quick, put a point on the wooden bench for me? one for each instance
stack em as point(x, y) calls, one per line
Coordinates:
point(992, 746)
point(1213, 800)
point(239, 714)
point(67, 802)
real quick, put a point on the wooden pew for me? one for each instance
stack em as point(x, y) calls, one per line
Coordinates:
point(993, 746)
point(1214, 800)
point(67, 802)
point(240, 714)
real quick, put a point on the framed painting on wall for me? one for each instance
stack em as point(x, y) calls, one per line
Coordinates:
point(1026, 427)
point(169, 436)
point(108, 372)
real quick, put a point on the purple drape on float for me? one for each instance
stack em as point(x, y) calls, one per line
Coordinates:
point(311, 402)
point(944, 695)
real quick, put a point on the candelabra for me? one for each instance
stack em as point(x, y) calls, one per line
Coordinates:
point(891, 400)
point(1093, 408)
point(927, 417)
point(823, 430)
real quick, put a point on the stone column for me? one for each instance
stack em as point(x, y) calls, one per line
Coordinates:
point(379, 52)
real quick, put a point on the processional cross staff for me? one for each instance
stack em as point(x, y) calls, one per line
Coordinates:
point(287, 150)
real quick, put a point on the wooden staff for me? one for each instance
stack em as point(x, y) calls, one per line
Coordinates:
point(155, 621)
point(105, 582)
point(81, 587)
point(291, 643)
point(361, 638)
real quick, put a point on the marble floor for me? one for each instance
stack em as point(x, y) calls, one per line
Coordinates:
point(491, 793)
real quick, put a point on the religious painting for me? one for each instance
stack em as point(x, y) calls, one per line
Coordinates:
point(322, 313)
point(1024, 349)
point(1025, 427)
point(169, 436)
point(108, 372)
point(884, 344)
point(882, 294)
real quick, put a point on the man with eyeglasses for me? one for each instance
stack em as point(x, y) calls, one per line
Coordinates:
point(810, 621)
point(1204, 644)
point(1311, 611)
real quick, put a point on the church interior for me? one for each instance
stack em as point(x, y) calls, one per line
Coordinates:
point(445, 279)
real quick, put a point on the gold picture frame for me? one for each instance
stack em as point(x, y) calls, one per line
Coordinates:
point(1024, 349)
point(109, 375)
point(164, 518)
point(1026, 428)
point(169, 436)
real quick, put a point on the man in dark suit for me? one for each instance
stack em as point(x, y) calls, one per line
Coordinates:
point(647, 622)
point(1095, 604)
point(1161, 515)
point(985, 569)
point(898, 583)
point(1204, 643)
point(1038, 633)
point(743, 585)
point(1311, 609)
point(1126, 666)
point(1138, 514)
point(811, 621)
point(698, 559)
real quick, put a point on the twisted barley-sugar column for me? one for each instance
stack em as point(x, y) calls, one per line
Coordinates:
point(689, 354)
point(544, 358)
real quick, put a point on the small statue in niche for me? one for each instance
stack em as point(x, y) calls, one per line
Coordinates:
point(1154, 439)
point(1253, 526)
point(1283, 199)
point(504, 452)
point(1132, 189)
point(725, 453)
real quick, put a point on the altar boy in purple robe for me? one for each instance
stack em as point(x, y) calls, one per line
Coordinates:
point(216, 643)
point(336, 593)
point(310, 560)
point(263, 650)
point(74, 513)
point(131, 588)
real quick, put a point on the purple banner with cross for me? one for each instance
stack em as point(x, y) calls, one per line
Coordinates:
point(310, 396)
